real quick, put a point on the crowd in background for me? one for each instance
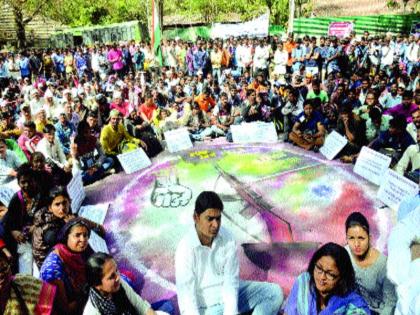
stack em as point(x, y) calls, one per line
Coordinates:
point(65, 111)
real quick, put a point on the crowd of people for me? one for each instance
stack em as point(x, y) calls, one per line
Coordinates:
point(70, 111)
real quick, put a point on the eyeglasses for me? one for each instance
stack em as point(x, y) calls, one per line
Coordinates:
point(328, 274)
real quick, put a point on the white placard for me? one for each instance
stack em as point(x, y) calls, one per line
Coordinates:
point(97, 243)
point(333, 144)
point(264, 132)
point(95, 213)
point(372, 165)
point(76, 192)
point(6, 194)
point(256, 27)
point(178, 140)
point(395, 188)
point(255, 132)
point(134, 161)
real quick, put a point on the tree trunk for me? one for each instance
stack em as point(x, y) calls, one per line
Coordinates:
point(20, 27)
point(291, 16)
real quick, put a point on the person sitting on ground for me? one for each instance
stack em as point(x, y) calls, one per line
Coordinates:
point(29, 139)
point(109, 293)
point(327, 287)
point(308, 131)
point(49, 220)
point(291, 110)
point(198, 124)
point(41, 120)
point(42, 173)
point(65, 132)
point(18, 221)
point(147, 109)
point(65, 266)
point(376, 123)
point(395, 140)
point(403, 266)
point(140, 129)
point(207, 269)
point(115, 139)
point(51, 148)
point(406, 108)
point(251, 110)
point(23, 294)
point(205, 100)
point(370, 267)
point(370, 102)
point(8, 129)
point(88, 157)
point(222, 116)
point(9, 162)
point(353, 129)
point(316, 92)
point(411, 157)
point(121, 105)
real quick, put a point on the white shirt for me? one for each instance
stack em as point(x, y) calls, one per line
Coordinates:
point(52, 151)
point(207, 276)
point(402, 271)
point(412, 130)
point(261, 56)
point(411, 155)
point(7, 164)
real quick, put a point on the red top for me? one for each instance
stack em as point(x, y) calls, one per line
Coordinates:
point(147, 110)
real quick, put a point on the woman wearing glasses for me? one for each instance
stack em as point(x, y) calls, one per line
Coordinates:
point(328, 286)
point(369, 266)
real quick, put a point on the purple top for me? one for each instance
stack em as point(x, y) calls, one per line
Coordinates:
point(115, 57)
point(401, 110)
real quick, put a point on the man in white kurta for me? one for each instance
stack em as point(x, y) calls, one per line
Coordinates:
point(207, 269)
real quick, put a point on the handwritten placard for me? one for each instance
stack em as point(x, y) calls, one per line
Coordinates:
point(394, 188)
point(97, 243)
point(134, 161)
point(76, 192)
point(333, 144)
point(255, 132)
point(95, 213)
point(178, 140)
point(6, 194)
point(372, 165)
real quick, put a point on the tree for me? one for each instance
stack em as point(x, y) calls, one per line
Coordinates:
point(395, 4)
point(23, 12)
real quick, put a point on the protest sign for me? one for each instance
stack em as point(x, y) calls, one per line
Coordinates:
point(76, 192)
point(333, 144)
point(257, 27)
point(372, 165)
point(178, 140)
point(394, 188)
point(6, 194)
point(134, 161)
point(256, 132)
point(97, 214)
point(340, 29)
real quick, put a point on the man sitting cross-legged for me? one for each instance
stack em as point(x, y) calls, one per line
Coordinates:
point(207, 269)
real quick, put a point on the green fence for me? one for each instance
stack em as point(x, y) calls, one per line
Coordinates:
point(375, 24)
